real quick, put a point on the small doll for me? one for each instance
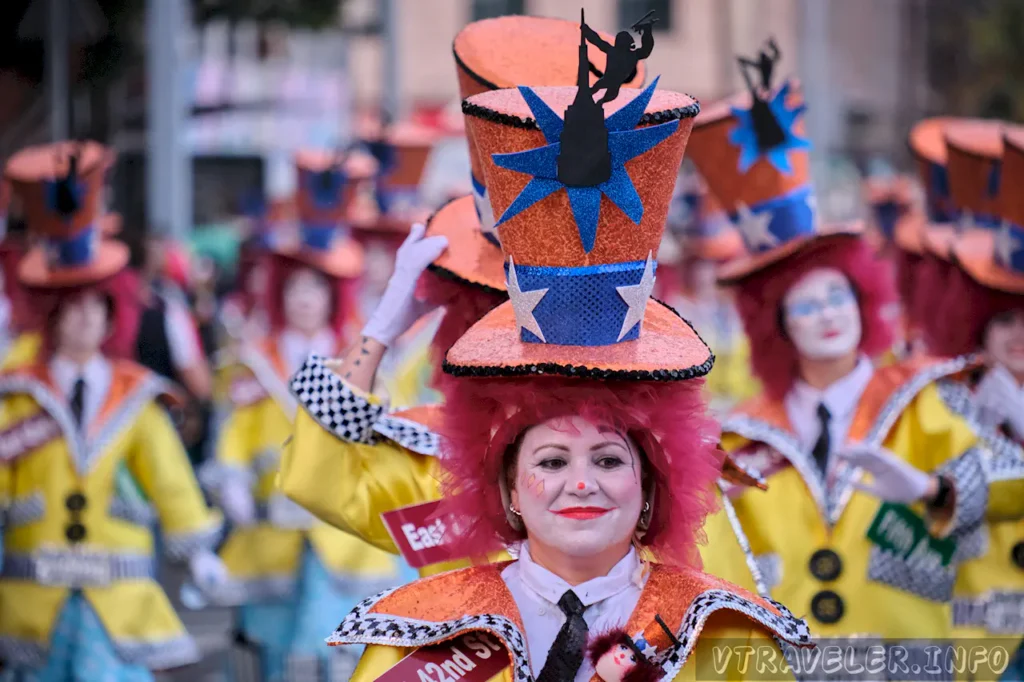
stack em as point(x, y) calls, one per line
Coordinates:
point(617, 658)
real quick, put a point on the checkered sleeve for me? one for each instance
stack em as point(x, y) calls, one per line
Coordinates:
point(338, 407)
point(970, 494)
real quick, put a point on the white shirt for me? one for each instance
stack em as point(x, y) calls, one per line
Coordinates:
point(182, 335)
point(97, 373)
point(295, 347)
point(609, 602)
point(841, 399)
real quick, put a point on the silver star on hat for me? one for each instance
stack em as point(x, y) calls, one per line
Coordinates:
point(636, 296)
point(754, 228)
point(1006, 245)
point(523, 302)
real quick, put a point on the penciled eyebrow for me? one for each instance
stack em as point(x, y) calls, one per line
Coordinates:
point(552, 446)
point(621, 444)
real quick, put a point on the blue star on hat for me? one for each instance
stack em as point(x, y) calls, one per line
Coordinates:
point(744, 135)
point(625, 142)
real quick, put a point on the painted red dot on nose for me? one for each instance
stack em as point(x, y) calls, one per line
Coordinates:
point(580, 485)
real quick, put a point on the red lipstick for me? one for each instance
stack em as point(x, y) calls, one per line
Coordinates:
point(582, 513)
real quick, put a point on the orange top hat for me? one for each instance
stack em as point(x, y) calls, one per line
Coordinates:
point(265, 219)
point(402, 152)
point(326, 189)
point(60, 187)
point(700, 223)
point(994, 257)
point(491, 54)
point(893, 201)
point(581, 199)
point(752, 152)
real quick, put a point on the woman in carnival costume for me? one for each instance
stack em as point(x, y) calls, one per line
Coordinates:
point(813, 299)
point(290, 573)
point(981, 318)
point(575, 427)
point(350, 460)
point(91, 459)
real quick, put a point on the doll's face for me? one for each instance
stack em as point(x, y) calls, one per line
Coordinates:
point(821, 315)
point(578, 487)
point(1004, 341)
point(307, 301)
point(616, 663)
point(82, 324)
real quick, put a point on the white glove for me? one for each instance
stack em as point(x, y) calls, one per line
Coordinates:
point(1001, 400)
point(893, 480)
point(237, 502)
point(208, 571)
point(399, 308)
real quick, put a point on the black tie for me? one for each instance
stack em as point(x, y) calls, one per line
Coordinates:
point(78, 401)
point(566, 655)
point(821, 447)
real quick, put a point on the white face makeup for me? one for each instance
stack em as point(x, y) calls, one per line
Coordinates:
point(82, 325)
point(616, 663)
point(821, 315)
point(307, 301)
point(578, 487)
point(1004, 341)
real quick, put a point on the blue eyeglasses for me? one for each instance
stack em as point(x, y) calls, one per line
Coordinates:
point(837, 297)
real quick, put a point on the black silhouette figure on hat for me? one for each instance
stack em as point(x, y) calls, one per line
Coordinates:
point(766, 127)
point(66, 201)
point(623, 56)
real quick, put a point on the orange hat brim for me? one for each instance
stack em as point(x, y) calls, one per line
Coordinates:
point(344, 260)
point(720, 247)
point(470, 258)
point(668, 349)
point(938, 240)
point(975, 253)
point(34, 270)
point(110, 224)
point(908, 235)
point(749, 264)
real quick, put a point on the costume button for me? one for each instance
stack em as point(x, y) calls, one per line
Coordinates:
point(1017, 553)
point(75, 532)
point(826, 565)
point(75, 502)
point(827, 607)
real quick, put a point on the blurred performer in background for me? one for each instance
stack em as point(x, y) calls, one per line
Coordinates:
point(290, 574)
point(812, 297)
point(92, 461)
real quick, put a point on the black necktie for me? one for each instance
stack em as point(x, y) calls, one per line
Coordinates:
point(78, 401)
point(566, 655)
point(821, 447)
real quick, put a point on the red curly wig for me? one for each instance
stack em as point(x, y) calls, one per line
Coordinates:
point(343, 294)
point(966, 309)
point(645, 670)
point(463, 304)
point(124, 305)
point(483, 419)
point(759, 302)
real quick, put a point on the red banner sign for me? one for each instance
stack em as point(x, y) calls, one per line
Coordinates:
point(473, 657)
point(421, 535)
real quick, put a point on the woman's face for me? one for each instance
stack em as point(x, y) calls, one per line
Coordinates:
point(578, 486)
point(1004, 341)
point(82, 324)
point(307, 301)
point(821, 315)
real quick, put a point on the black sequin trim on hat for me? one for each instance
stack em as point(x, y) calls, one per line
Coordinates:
point(650, 118)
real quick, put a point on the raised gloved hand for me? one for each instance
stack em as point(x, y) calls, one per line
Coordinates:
point(237, 502)
point(208, 571)
point(893, 480)
point(399, 308)
point(1001, 400)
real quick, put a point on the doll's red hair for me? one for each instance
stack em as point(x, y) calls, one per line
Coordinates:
point(967, 307)
point(668, 421)
point(759, 302)
point(343, 294)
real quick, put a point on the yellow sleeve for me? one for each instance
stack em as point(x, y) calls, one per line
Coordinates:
point(235, 442)
point(731, 649)
point(161, 467)
point(22, 352)
point(349, 485)
point(1005, 500)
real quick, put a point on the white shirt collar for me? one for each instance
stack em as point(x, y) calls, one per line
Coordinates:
point(550, 587)
point(296, 347)
point(66, 373)
point(841, 397)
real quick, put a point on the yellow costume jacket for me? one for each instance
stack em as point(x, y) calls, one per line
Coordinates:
point(698, 608)
point(127, 471)
point(349, 460)
point(21, 352)
point(264, 559)
point(811, 538)
point(989, 593)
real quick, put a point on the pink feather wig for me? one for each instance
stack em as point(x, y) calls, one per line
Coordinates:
point(965, 311)
point(484, 418)
point(125, 313)
point(343, 294)
point(759, 302)
point(463, 304)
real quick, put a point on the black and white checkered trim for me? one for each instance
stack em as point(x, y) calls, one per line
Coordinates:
point(409, 434)
point(967, 474)
point(25, 510)
point(770, 566)
point(182, 546)
point(132, 511)
point(1007, 456)
point(334, 405)
point(362, 627)
point(155, 655)
point(886, 568)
